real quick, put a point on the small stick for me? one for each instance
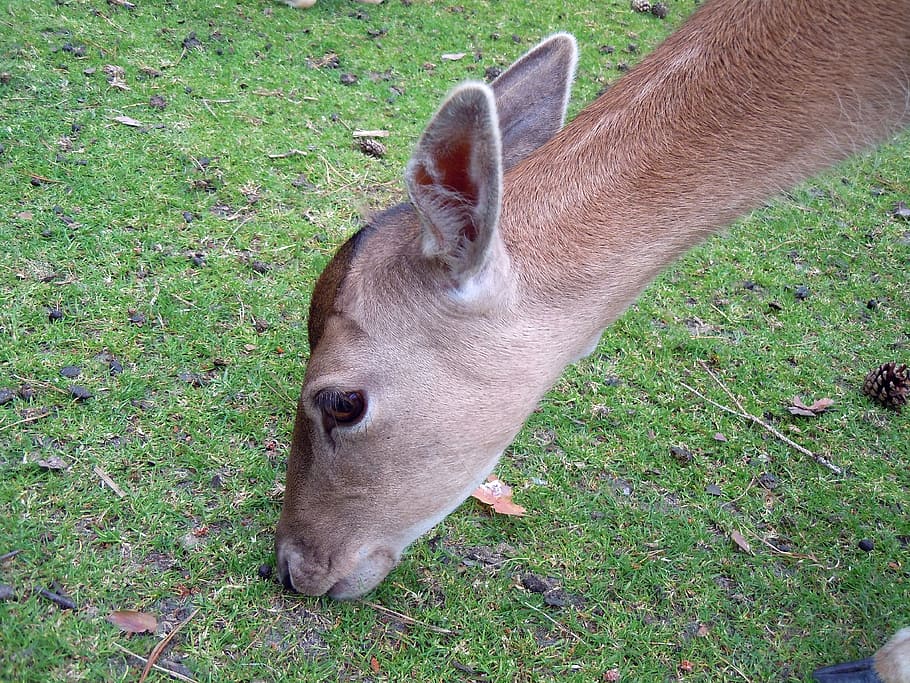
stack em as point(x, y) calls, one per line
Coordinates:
point(178, 676)
point(370, 134)
point(56, 598)
point(159, 648)
point(10, 555)
point(105, 477)
point(289, 153)
point(722, 386)
point(561, 627)
point(408, 620)
point(821, 460)
point(33, 418)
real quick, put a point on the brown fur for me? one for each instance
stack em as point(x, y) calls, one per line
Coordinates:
point(453, 316)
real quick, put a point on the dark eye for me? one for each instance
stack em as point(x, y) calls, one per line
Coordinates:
point(340, 407)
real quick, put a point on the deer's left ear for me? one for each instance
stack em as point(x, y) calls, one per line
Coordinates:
point(454, 179)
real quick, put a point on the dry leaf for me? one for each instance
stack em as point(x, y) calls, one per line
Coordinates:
point(452, 56)
point(374, 665)
point(611, 675)
point(740, 541)
point(133, 622)
point(801, 409)
point(498, 495)
point(51, 463)
point(128, 121)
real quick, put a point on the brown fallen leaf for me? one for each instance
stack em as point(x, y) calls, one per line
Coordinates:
point(133, 622)
point(498, 495)
point(740, 541)
point(801, 409)
point(51, 463)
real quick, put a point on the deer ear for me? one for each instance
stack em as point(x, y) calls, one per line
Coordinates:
point(532, 96)
point(454, 179)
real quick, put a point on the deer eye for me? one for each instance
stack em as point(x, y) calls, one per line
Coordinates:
point(343, 408)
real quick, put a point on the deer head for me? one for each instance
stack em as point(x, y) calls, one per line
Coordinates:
point(416, 327)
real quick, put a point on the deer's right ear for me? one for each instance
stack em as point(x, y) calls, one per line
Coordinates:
point(532, 96)
point(454, 179)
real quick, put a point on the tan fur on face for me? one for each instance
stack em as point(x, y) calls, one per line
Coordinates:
point(453, 315)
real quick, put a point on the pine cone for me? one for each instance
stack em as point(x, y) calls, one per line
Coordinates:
point(888, 384)
point(641, 5)
point(371, 147)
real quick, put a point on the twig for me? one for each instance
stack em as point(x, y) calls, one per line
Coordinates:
point(178, 676)
point(159, 648)
point(409, 620)
point(561, 627)
point(105, 477)
point(56, 598)
point(722, 386)
point(289, 153)
point(370, 134)
point(775, 549)
point(10, 555)
point(821, 460)
point(33, 418)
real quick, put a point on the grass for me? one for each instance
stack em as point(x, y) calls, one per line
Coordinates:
point(186, 249)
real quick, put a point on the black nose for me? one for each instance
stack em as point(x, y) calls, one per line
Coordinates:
point(284, 574)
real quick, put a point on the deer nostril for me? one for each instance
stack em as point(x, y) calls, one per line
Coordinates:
point(284, 573)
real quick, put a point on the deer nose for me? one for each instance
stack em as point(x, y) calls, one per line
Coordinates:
point(284, 572)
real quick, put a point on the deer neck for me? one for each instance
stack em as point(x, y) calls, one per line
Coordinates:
point(727, 112)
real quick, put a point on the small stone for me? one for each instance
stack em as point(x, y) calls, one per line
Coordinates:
point(198, 259)
point(26, 392)
point(136, 318)
point(260, 266)
point(901, 210)
point(115, 366)
point(187, 216)
point(866, 545)
point(265, 571)
point(6, 395)
point(7, 592)
point(348, 79)
point(801, 293)
point(261, 325)
point(54, 314)
point(157, 102)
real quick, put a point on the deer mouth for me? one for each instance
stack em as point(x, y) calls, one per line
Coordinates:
point(339, 578)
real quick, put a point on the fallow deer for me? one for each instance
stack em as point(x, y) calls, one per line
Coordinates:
point(891, 664)
point(435, 330)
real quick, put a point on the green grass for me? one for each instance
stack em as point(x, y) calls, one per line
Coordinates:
point(195, 430)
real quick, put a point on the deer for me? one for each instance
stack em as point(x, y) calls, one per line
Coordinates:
point(890, 664)
point(435, 329)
